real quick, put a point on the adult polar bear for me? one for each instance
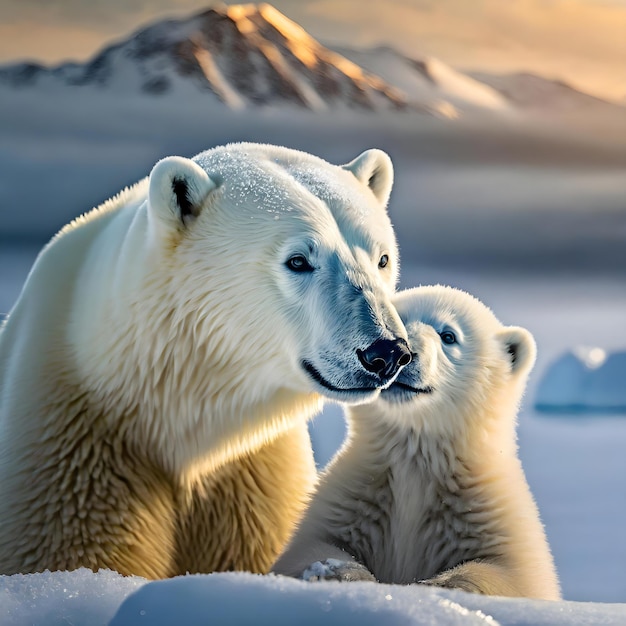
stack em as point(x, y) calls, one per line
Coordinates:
point(159, 366)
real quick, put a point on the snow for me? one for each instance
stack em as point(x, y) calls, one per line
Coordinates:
point(462, 87)
point(218, 82)
point(80, 597)
point(277, 601)
point(585, 380)
point(84, 598)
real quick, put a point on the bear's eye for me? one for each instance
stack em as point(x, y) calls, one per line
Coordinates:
point(298, 263)
point(383, 261)
point(448, 337)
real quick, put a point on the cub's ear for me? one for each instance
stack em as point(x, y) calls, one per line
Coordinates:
point(374, 169)
point(178, 190)
point(519, 345)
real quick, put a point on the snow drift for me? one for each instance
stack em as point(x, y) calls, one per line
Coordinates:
point(83, 598)
point(584, 380)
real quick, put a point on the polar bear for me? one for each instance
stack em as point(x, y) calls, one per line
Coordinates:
point(159, 367)
point(428, 486)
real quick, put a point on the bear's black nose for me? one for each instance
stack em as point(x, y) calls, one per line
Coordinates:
point(385, 357)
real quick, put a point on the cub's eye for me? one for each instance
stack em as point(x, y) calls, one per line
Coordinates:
point(298, 263)
point(383, 261)
point(448, 337)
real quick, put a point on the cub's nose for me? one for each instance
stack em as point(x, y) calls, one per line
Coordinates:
point(385, 357)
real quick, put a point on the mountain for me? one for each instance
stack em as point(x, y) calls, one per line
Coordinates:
point(449, 91)
point(430, 81)
point(530, 92)
point(248, 56)
point(243, 55)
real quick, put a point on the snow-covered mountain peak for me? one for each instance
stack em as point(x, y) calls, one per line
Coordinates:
point(247, 16)
point(246, 55)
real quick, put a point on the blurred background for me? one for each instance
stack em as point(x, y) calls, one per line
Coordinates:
point(506, 123)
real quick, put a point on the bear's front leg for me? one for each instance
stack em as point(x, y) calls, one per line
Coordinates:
point(334, 569)
point(241, 516)
point(484, 577)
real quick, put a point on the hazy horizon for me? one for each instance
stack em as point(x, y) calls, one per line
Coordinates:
point(580, 41)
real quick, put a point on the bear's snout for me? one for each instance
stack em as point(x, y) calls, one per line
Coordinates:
point(385, 357)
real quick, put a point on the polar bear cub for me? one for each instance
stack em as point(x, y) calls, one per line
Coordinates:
point(428, 486)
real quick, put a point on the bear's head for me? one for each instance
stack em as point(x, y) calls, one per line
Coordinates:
point(468, 369)
point(252, 276)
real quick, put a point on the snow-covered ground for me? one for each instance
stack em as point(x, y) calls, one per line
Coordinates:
point(82, 598)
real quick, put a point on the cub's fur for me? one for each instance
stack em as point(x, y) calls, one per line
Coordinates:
point(428, 486)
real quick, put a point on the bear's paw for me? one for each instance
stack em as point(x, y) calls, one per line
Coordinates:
point(334, 569)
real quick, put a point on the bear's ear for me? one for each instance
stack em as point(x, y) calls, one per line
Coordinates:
point(519, 346)
point(374, 169)
point(178, 190)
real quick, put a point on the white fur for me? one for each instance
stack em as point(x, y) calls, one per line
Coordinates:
point(428, 486)
point(151, 372)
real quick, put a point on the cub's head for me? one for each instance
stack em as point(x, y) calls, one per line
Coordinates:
point(466, 363)
point(283, 265)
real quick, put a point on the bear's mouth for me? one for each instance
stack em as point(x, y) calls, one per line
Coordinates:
point(399, 392)
point(318, 378)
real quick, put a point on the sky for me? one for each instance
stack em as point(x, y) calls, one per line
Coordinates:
point(580, 41)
